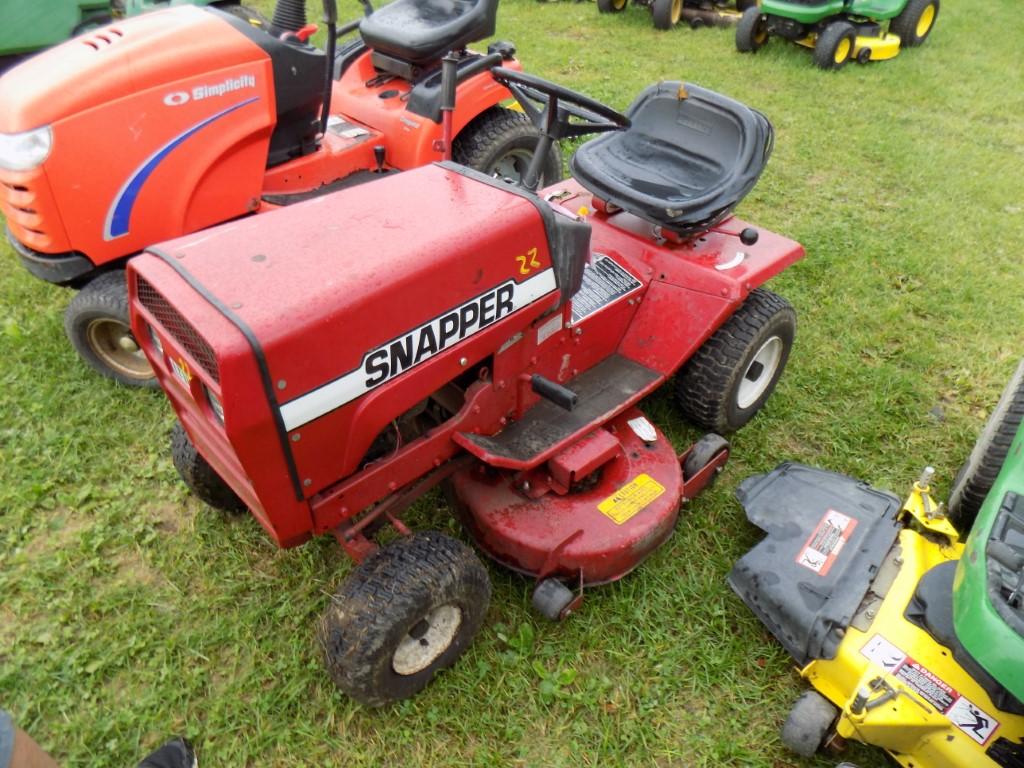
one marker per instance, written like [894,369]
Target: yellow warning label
[631,498]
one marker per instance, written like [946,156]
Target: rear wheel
[979,472]
[202,479]
[808,724]
[408,611]
[501,142]
[96,323]
[751,31]
[834,46]
[611,6]
[735,371]
[666,13]
[915,22]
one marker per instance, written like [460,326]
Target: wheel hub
[426,640]
[759,372]
[114,344]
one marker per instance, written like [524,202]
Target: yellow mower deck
[881,48]
[896,687]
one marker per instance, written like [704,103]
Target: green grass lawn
[129,612]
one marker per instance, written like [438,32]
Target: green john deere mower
[911,640]
[30,25]
[839,31]
[697,13]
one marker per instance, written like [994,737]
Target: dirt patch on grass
[62,527]
[170,518]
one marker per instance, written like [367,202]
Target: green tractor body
[987,610]
[839,31]
[29,25]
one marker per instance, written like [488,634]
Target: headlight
[215,403]
[25,151]
[159,345]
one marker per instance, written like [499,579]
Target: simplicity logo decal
[200,92]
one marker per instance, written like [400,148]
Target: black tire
[834,47]
[500,142]
[751,31]
[611,6]
[743,5]
[96,322]
[915,22]
[979,472]
[202,480]
[666,13]
[809,723]
[704,450]
[735,371]
[368,632]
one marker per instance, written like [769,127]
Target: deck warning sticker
[604,281]
[959,710]
[827,541]
[631,498]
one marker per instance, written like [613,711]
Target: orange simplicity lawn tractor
[333,361]
[173,121]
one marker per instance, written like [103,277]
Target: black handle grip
[330,12]
[561,396]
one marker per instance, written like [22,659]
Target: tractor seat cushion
[422,31]
[688,158]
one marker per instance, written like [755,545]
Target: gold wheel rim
[618,5]
[677,10]
[925,22]
[843,50]
[114,345]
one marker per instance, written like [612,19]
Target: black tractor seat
[688,158]
[420,32]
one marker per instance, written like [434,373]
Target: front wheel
[978,474]
[751,31]
[809,723]
[501,142]
[915,22]
[835,44]
[96,323]
[666,13]
[407,612]
[735,371]
[202,479]
[611,6]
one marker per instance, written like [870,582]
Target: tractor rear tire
[808,723]
[202,479]
[97,325]
[979,472]
[666,13]
[751,31]
[834,47]
[500,142]
[611,6]
[915,22]
[735,371]
[407,612]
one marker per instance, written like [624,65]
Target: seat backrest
[420,32]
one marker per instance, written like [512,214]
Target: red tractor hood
[319,287]
[117,61]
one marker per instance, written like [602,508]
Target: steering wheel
[560,104]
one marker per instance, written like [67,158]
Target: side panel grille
[178,327]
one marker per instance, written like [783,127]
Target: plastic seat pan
[422,31]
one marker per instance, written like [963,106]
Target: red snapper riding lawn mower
[174,121]
[331,362]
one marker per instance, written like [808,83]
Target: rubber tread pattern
[388,594]
[202,480]
[493,133]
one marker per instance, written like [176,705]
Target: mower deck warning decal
[959,710]
[827,541]
[631,498]
[604,281]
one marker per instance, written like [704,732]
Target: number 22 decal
[528,261]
